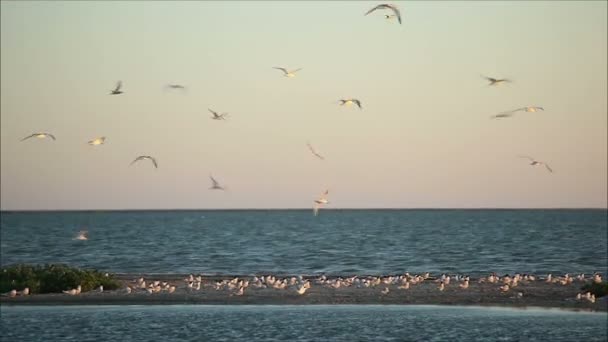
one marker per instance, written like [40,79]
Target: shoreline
[538,294]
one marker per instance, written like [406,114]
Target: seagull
[82,235]
[387,6]
[319,202]
[495,81]
[116,90]
[349,102]
[216,185]
[534,162]
[288,73]
[145,157]
[97,141]
[40,136]
[312,150]
[217,116]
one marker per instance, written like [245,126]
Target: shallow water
[297,323]
[295,242]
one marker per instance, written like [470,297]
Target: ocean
[337,242]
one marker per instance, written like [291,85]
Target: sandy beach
[527,294]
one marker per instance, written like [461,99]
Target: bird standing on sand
[320,202]
[312,150]
[387,6]
[117,90]
[97,141]
[495,81]
[217,116]
[146,157]
[288,73]
[40,136]
[349,102]
[534,162]
[215,185]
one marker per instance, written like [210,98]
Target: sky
[424,138]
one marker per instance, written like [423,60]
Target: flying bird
[288,73]
[387,6]
[320,202]
[145,157]
[215,185]
[217,116]
[349,102]
[495,81]
[97,141]
[82,235]
[40,136]
[528,109]
[176,86]
[312,150]
[535,162]
[117,90]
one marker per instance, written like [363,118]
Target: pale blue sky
[424,138]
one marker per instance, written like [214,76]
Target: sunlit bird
[349,102]
[312,150]
[387,6]
[215,185]
[145,157]
[40,136]
[217,116]
[97,141]
[117,90]
[82,235]
[320,202]
[288,73]
[495,81]
[534,162]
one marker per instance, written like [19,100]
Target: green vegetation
[598,289]
[52,279]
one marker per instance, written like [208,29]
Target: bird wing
[312,150]
[215,183]
[358,103]
[118,86]
[282,69]
[527,157]
[30,136]
[294,71]
[548,168]
[154,162]
[489,78]
[50,135]
[375,8]
[213,112]
[396,11]
[137,159]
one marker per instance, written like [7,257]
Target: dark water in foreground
[295,242]
[297,323]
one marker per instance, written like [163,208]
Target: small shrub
[53,279]
[598,289]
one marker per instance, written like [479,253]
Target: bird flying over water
[312,150]
[97,141]
[320,202]
[349,102]
[495,81]
[40,136]
[215,184]
[535,162]
[387,6]
[117,90]
[288,73]
[82,235]
[146,157]
[217,116]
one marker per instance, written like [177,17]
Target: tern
[534,162]
[215,184]
[145,157]
[387,6]
[288,73]
[40,136]
[349,102]
[82,235]
[217,116]
[319,202]
[312,150]
[117,90]
[495,81]
[97,141]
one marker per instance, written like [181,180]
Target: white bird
[301,290]
[534,162]
[215,185]
[387,6]
[128,289]
[40,136]
[82,235]
[97,141]
[71,292]
[146,157]
[171,289]
[100,288]
[385,291]
[13,293]
[349,102]
[319,202]
[312,150]
[495,81]
[217,116]
[117,90]
[504,288]
[288,73]
[26,291]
